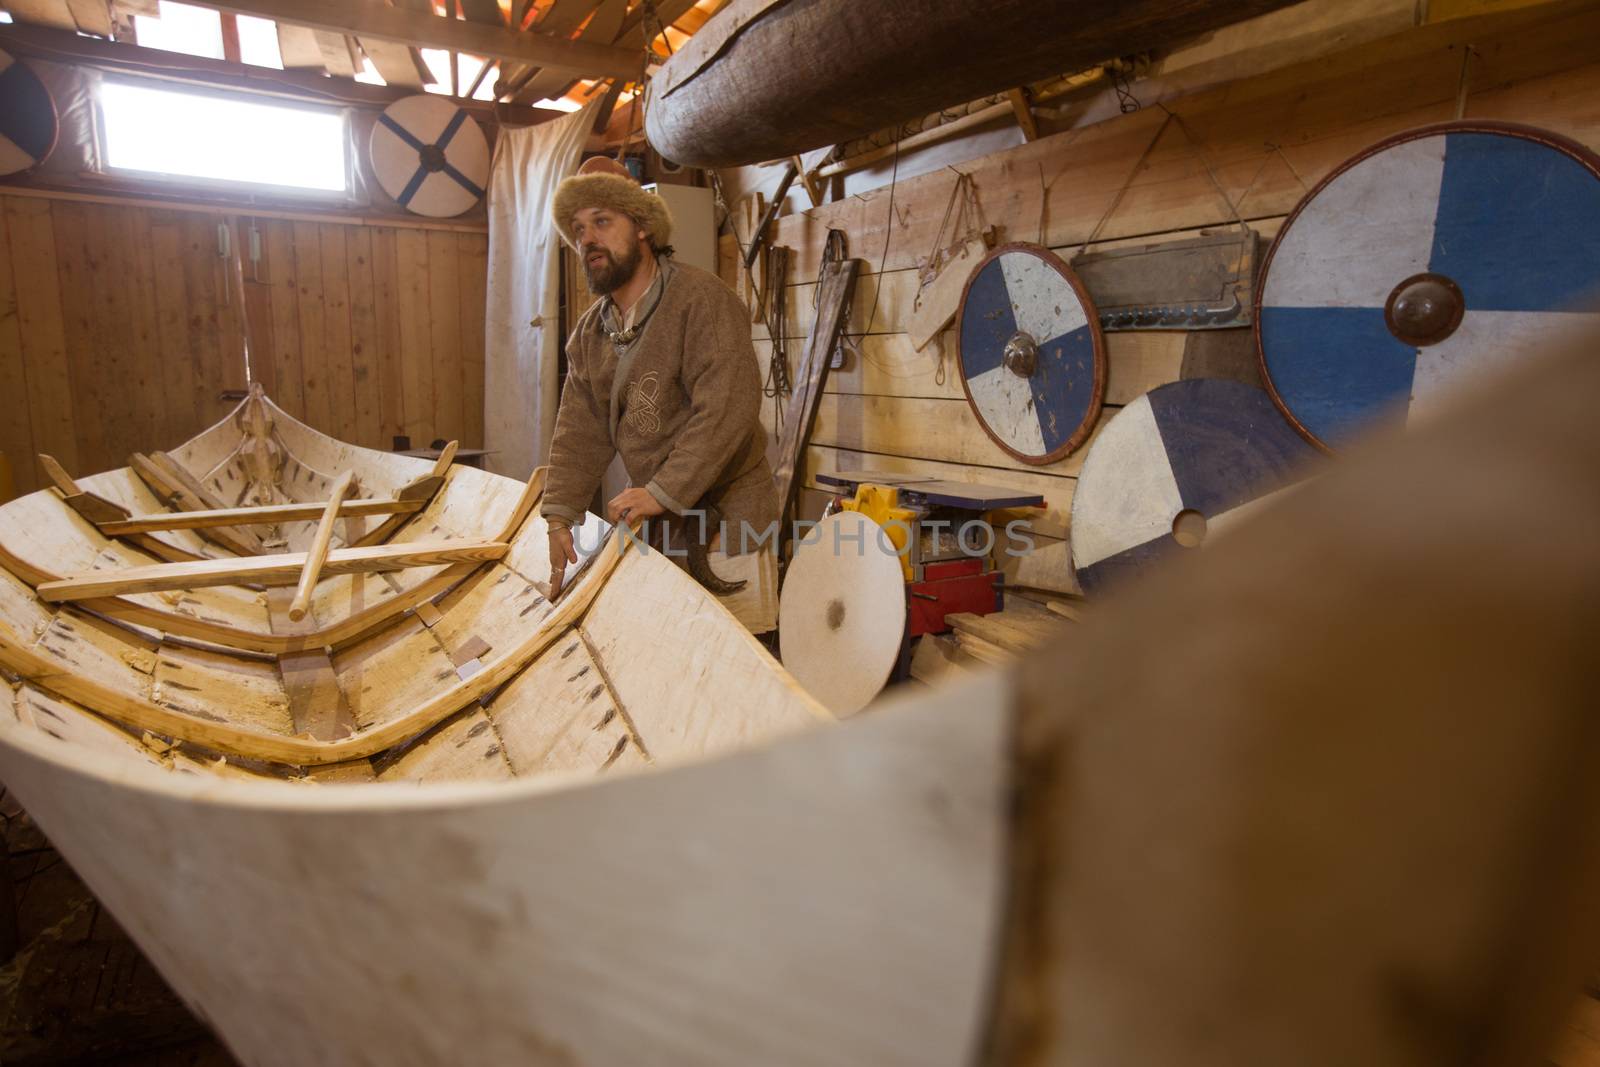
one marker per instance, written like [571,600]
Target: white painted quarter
[1006,402]
[1364,233]
[1045,304]
[1126,493]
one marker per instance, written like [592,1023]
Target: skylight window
[180,134]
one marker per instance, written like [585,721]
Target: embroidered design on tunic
[643,414]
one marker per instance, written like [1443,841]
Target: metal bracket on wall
[1196,283]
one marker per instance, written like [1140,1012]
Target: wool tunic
[681,405]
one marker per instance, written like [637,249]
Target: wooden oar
[317,554]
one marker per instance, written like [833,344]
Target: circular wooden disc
[1024,299]
[842,613]
[1431,258]
[1178,459]
[430,156]
[28,123]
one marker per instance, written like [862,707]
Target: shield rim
[393,195]
[1550,139]
[1096,396]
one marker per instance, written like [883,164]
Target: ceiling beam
[374,19]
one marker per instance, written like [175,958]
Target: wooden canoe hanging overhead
[766,79]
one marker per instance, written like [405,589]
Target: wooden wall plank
[444,315]
[133,261]
[278,268]
[473,257]
[80,322]
[30,230]
[201,267]
[313,337]
[390,381]
[416,332]
[16,430]
[339,374]
[258,307]
[365,339]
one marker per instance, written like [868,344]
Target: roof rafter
[373,19]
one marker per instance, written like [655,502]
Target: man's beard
[614,273]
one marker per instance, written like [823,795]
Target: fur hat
[600,182]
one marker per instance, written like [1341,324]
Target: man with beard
[660,370]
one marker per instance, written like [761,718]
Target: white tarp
[523,312]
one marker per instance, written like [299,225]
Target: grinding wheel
[1428,260]
[842,614]
[28,123]
[1178,458]
[430,156]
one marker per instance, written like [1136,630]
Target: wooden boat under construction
[228,779]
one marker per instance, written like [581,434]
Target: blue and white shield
[1187,457]
[1032,359]
[430,156]
[1427,261]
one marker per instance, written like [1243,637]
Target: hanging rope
[778,385]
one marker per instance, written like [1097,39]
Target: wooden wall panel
[1146,176]
[122,326]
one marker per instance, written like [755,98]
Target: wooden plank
[298,47]
[206,337]
[559,715]
[91,16]
[16,432]
[416,332]
[389,377]
[172,326]
[182,492]
[340,372]
[278,569]
[336,53]
[317,554]
[811,375]
[270,513]
[602,27]
[91,418]
[288,365]
[132,259]
[40,324]
[444,320]
[473,254]
[396,63]
[313,328]
[373,19]
[944,430]
[365,341]
[52,13]
[318,707]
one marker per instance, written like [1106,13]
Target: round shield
[430,156]
[27,117]
[842,614]
[1173,467]
[1430,259]
[1032,359]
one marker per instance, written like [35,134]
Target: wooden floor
[78,991]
